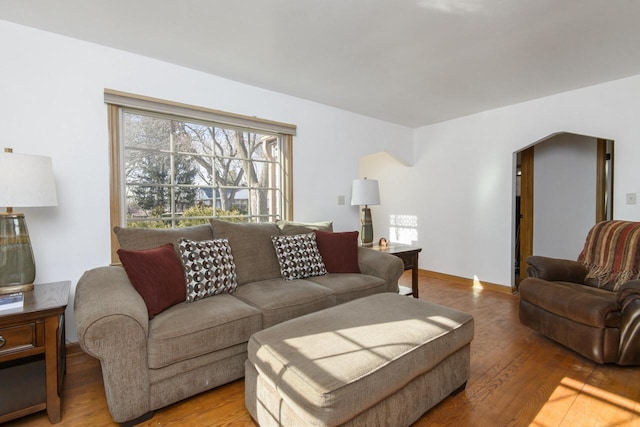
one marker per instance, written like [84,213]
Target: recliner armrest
[629,299]
[628,291]
[556,270]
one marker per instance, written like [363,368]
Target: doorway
[563,185]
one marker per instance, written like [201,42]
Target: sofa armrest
[556,270]
[113,326]
[385,266]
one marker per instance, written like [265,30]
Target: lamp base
[17,266]
[12,289]
[366,235]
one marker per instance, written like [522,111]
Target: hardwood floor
[518,378]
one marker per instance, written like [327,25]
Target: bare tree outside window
[181,172]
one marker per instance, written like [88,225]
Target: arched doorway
[563,185]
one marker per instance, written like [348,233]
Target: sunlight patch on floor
[477,285]
[571,400]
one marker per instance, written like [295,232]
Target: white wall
[51,103]
[564,200]
[461,187]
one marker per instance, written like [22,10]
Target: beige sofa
[192,347]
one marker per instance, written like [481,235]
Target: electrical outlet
[341,200]
[631,198]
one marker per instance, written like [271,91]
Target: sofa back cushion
[295,227]
[251,248]
[136,239]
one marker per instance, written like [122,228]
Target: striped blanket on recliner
[612,254]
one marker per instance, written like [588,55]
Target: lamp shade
[365,192]
[26,181]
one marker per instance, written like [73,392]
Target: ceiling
[410,62]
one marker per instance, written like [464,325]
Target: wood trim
[287,169]
[612,164]
[73,349]
[466,281]
[601,179]
[116,185]
[526,208]
[147,103]
[115,182]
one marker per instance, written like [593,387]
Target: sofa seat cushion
[169,372]
[281,300]
[192,329]
[349,286]
[584,304]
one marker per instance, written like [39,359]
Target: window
[174,165]
[179,172]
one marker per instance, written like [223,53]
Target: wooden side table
[409,256]
[32,353]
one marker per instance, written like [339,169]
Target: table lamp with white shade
[25,181]
[365,192]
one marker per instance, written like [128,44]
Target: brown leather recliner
[591,305]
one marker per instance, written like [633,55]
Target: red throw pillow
[339,251]
[157,275]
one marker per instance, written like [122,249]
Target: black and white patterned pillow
[298,256]
[209,268]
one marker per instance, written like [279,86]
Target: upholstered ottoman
[382,360]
